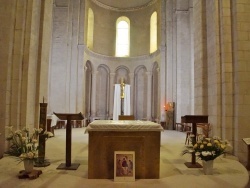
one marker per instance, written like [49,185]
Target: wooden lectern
[194,119]
[69,117]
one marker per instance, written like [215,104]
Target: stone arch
[122,72]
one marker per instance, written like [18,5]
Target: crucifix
[122,96]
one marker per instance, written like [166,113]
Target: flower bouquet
[24,143]
[208,148]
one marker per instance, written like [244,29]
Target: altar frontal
[108,136]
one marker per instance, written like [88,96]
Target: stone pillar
[111,94]
[84,91]
[131,78]
[158,97]
[44,51]
[183,64]
[200,57]
[149,96]
[93,95]
[163,47]
[6,38]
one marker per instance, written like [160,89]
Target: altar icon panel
[124,166]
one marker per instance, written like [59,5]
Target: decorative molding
[62,5]
[112,58]
[123,9]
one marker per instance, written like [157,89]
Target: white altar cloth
[123,125]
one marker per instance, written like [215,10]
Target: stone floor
[173,173]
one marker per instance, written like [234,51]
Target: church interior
[177,57]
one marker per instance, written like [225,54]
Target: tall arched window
[122,37]
[153,32]
[90,32]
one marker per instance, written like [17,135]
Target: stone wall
[241,78]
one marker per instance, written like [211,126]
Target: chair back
[126,117]
[205,128]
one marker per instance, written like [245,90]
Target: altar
[108,136]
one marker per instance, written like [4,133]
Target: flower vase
[28,165]
[208,167]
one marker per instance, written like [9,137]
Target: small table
[247,142]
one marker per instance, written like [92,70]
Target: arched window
[153,32]
[90,32]
[122,37]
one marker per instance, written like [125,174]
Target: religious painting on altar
[124,166]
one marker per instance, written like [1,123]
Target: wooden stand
[247,142]
[194,119]
[31,175]
[68,165]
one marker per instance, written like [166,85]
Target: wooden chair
[60,124]
[183,127]
[126,117]
[78,123]
[202,129]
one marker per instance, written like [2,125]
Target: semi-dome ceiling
[124,4]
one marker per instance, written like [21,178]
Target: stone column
[44,50]
[131,77]
[158,97]
[149,96]
[111,94]
[93,95]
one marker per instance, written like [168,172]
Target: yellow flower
[216,141]
[201,146]
[209,144]
[222,146]
[195,146]
[208,139]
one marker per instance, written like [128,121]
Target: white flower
[40,130]
[50,134]
[23,143]
[197,153]
[206,153]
